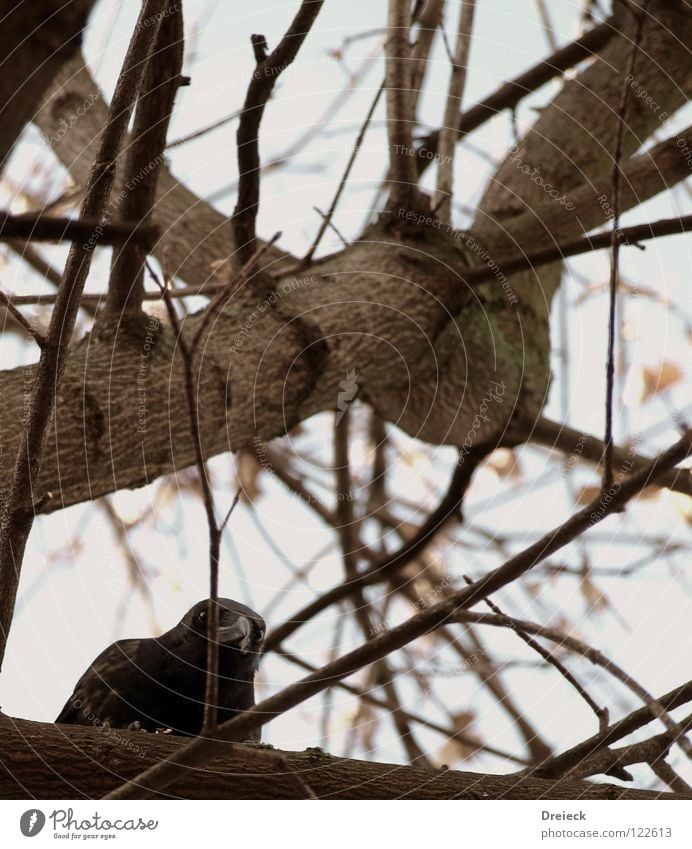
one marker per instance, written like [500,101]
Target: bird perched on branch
[159,684]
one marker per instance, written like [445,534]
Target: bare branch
[344,179]
[403,174]
[455,94]
[264,78]
[211,696]
[145,157]
[517,626]
[37,227]
[656,709]
[387,567]
[581,445]
[512,92]
[18,317]
[572,758]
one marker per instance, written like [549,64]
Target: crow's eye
[259,635]
[202,616]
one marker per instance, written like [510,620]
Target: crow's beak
[237,635]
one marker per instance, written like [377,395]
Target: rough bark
[45,761]
[427,352]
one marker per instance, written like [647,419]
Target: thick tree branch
[45,761]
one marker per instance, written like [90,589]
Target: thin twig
[38,337]
[455,94]
[211,696]
[667,774]
[344,178]
[264,78]
[348,537]
[615,239]
[601,713]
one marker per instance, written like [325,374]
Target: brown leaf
[505,463]
[455,749]
[595,599]
[657,379]
[587,494]
[247,471]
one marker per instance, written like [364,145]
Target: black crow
[159,684]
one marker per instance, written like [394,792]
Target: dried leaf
[455,749]
[587,494]
[659,378]
[247,471]
[505,463]
[595,599]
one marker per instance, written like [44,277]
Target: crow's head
[241,630]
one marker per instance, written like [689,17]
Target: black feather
[160,683]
